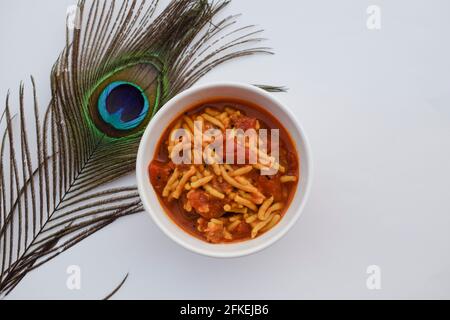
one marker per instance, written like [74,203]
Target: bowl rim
[142,178]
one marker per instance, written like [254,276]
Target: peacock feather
[122,62]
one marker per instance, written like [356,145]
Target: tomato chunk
[242,230]
[205,205]
[243,122]
[160,173]
[270,186]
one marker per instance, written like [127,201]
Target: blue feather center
[123,105]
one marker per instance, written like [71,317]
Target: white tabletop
[376,106]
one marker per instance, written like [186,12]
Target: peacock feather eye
[123,105]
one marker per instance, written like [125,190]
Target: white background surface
[376,106]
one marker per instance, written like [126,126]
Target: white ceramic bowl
[176,107]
